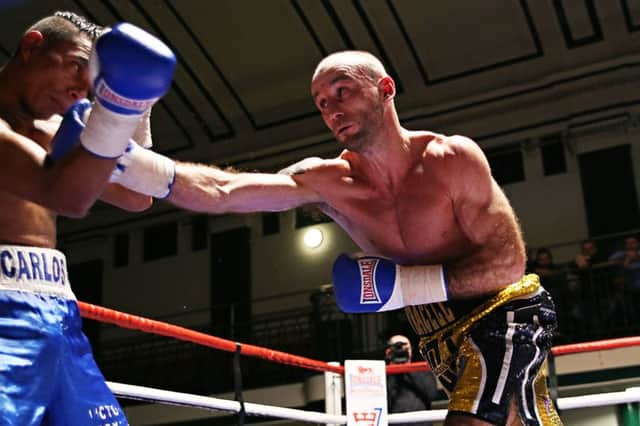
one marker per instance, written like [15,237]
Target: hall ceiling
[240,94]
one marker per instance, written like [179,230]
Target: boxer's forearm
[212,190]
[126,199]
[73,185]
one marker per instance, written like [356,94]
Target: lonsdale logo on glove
[105,93]
[368,291]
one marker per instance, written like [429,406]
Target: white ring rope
[598,400]
[184,399]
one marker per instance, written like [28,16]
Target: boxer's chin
[356,141]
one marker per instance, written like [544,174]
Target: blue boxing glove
[374,284]
[68,134]
[129,70]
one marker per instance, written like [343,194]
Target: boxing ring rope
[575,348]
[147,325]
[215,404]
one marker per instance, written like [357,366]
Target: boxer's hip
[34,270]
[450,326]
[37,305]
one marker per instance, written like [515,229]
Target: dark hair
[64,26]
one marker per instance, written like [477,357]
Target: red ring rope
[575,348]
[156,327]
[123,320]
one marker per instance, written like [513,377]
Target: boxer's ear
[387,87]
[29,43]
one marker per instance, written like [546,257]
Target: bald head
[398,350]
[356,62]
[399,338]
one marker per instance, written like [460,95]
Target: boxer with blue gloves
[129,70]
[48,375]
[446,243]
[121,101]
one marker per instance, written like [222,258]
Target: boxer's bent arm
[69,188]
[212,190]
[124,198]
[484,214]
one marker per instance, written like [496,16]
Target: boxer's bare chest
[415,223]
[24,222]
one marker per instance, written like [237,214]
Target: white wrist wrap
[419,285]
[145,171]
[142,134]
[107,134]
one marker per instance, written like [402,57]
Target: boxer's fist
[373,284]
[130,69]
[364,284]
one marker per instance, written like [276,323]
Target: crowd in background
[598,292]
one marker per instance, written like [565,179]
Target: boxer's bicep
[473,193]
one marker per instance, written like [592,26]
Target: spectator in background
[588,255]
[579,298]
[628,278]
[407,391]
[629,259]
[629,255]
[583,294]
[544,266]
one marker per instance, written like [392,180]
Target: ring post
[333,393]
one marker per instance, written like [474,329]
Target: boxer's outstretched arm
[70,187]
[212,190]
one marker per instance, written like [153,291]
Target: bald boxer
[441,238]
[49,165]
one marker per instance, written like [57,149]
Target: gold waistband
[528,285]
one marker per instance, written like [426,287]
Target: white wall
[282,264]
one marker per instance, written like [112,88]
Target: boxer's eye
[343,92]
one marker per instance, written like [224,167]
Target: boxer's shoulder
[43,130]
[40,131]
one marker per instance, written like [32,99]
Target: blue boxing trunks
[47,372]
[488,352]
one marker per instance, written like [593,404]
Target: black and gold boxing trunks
[487,352]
